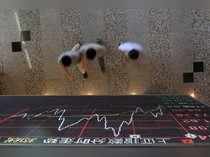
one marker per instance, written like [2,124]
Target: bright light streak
[28,59]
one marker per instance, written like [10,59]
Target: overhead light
[133,93]
[89,93]
[193,95]
[48,93]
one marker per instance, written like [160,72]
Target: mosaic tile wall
[173,39]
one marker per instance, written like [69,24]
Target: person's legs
[67,73]
[83,71]
[82,67]
[85,75]
[101,62]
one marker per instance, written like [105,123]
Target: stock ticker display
[135,120]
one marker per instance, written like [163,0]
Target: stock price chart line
[175,120]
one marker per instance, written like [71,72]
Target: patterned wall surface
[173,40]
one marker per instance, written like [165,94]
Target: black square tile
[26,35]
[198,67]
[16,46]
[188,77]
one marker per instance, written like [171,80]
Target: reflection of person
[94,51]
[72,58]
[131,49]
